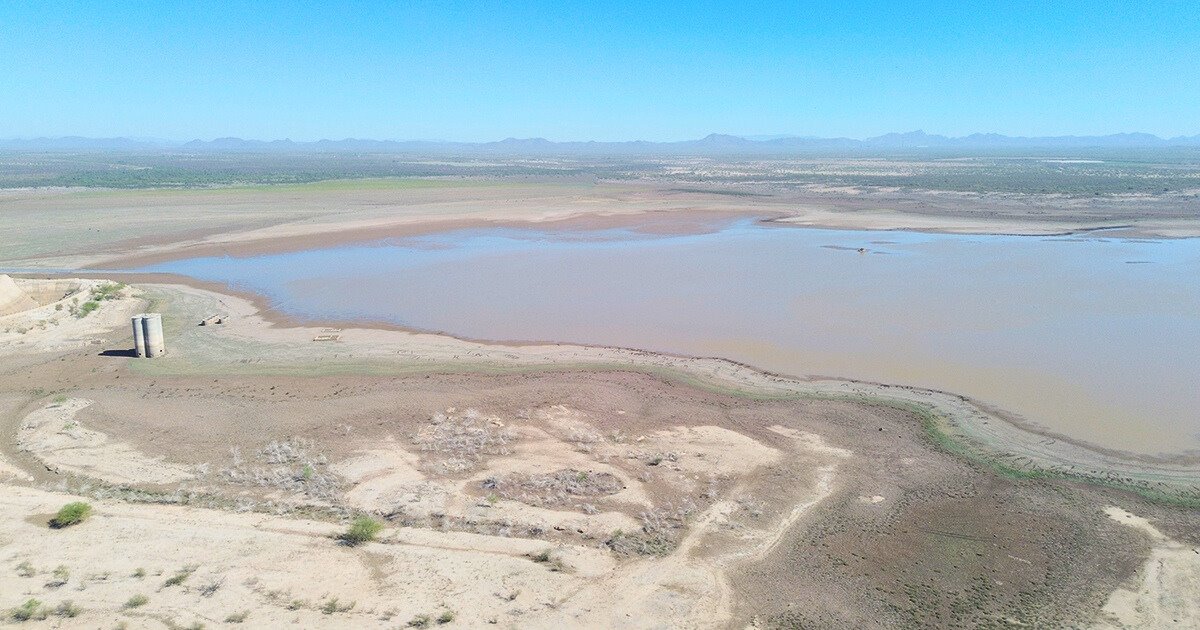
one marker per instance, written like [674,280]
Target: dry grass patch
[293,465]
[458,441]
[561,488]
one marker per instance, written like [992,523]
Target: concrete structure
[139,336]
[153,332]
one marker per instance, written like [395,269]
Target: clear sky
[594,70]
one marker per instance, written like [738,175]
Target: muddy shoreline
[976,427]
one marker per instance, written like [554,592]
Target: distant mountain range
[710,145]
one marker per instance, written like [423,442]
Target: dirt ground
[541,492]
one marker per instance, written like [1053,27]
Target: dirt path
[1164,594]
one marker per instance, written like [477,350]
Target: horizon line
[748,137]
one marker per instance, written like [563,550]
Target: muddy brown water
[1092,337]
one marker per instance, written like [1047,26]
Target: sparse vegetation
[457,442]
[137,601]
[364,529]
[85,309]
[25,569]
[237,617]
[31,610]
[446,617]
[333,605]
[288,465]
[209,589]
[180,576]
[420,621]
[548,558]
[67,609]
[658,535]
[557,489]
[107,291]
[59,577]
[71,514]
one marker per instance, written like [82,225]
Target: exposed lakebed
[1093,337]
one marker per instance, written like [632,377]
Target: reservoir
[1092,337]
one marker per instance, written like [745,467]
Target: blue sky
[596,70]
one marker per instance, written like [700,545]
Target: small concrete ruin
[148,336]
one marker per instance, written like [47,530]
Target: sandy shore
[986,432]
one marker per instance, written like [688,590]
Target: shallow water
[1096,338]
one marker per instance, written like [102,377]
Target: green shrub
[334,606]
[420,621]
[71,514]
[137,601]
[86,308]
[237,617]
[364,529]
[446,617]
[31,609]
[180,576]
[107,291]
